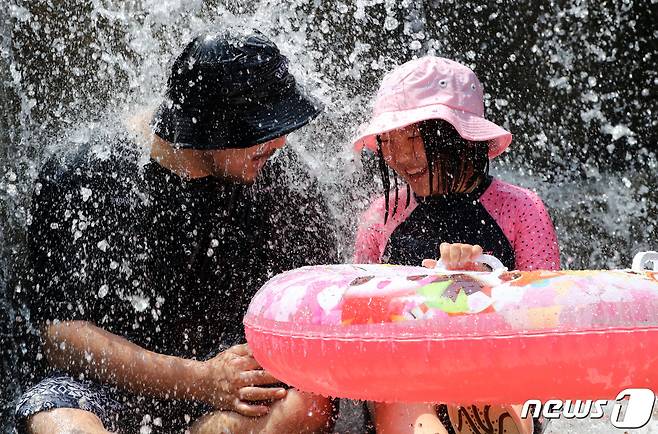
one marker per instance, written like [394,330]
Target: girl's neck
[472,193]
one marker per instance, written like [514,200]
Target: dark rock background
[574,80]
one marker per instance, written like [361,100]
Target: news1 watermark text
[636,412]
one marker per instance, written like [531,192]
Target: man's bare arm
[229,381]
[79,347]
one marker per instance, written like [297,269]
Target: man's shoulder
[103,168]
[95,155]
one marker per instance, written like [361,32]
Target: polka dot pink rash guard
[507,221]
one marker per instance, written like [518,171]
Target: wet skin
[242,165]
[404,152]
[236,165]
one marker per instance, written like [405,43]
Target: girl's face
[404,152]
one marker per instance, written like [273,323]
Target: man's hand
[458,257]
[232,379]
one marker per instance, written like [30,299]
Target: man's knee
[307,413]
[65,421]
[298,412]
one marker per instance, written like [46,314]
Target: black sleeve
[85,265]
[301,227]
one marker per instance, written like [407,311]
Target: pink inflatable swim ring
[412,334]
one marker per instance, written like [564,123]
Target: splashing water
[574,81]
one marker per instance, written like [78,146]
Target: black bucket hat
[231,91]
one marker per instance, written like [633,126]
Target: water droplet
[86,193]
[390,23]
[102,245]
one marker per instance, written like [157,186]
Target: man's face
[242,165]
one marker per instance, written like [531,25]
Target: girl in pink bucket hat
[433,88]
[428,126]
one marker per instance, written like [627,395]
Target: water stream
[574,80]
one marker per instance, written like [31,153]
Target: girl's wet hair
[447,150]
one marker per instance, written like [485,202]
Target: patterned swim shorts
[118,411]
[61,391]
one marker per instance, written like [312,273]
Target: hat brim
[469,126]
[251,124]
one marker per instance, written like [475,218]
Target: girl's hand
[458,257]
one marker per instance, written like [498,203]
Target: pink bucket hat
[432,88]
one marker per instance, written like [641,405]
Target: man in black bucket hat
[231,95]
[142,270]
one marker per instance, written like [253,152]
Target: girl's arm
[373,234]
[366,248]
[535,245]
[370,236]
